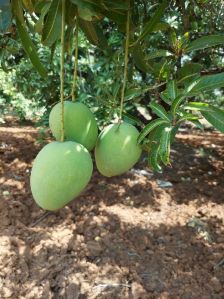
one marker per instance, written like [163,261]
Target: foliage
[175,56]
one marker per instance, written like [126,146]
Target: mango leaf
[174,133]
[212,114]
[28,4]
[115,5]
[94,34]
[140,59]
[5,15]
[188,117]
[132,93]
[153,157]
[158,54]
[159,110]
[30,48]
[40,22]
[189,72]
[161,26]
[198,124]
[198,106]
[164,150]
[165,98]
[205,83]
[17,11]
[205,42]
[149,26]
[176,104]
[215,118]
[149,127]
[52,26]
[172,91]
[132,119]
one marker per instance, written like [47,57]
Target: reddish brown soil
[125,237]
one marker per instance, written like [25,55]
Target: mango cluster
[62,170]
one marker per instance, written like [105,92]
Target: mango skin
[80,124]
[60,172]
[117,150]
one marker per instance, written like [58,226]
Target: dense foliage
[175,70]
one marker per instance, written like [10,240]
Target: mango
[116,149]
[80,124]
[60,173]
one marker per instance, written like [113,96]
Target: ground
[140,235]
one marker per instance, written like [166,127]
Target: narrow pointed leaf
[140,59]
[176,104]
[198,124]
[30,49]
[198,106]
[17,11]
[132,119]
[206,83]
[215,117]
[159,110]
[158,54]
[164,150]
[149,127]
[149,27]
[39,24]
[153,157]
[172,90]
[205,42]
[94,34]
[52,26]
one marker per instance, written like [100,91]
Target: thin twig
[219,264]
[74,85]
[62,71]
[125,63]
[45,215]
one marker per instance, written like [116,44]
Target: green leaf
[153,157]
[212,114]
[18,11]
[205,42]
[188,117]
[52,26]
[198,106]
[149,127]
[206,83]
[28,4]
[132,93]
[159,110]
[198,124]
[176,104]
[5,15]
[132,119]
[189,72]
[30,49]
[149,26]
[39,23]
[164,150]
[94,34]
[215,118]
[158,54]
[165,98]
[172,91]
[140,59]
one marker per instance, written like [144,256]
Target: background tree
[175,70]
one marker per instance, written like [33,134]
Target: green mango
[116,149]
[80,123]
[60,172]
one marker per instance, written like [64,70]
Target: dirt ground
[140,235]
